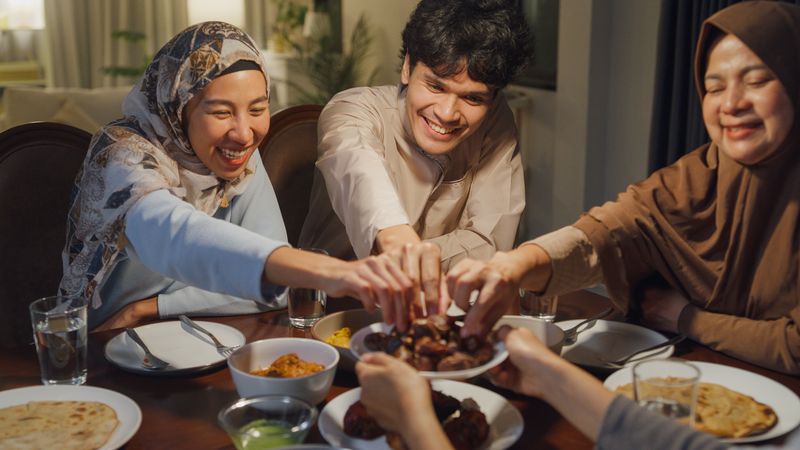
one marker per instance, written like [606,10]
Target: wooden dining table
[180,412]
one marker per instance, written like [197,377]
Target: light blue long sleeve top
[197,264]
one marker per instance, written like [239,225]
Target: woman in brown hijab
[720,225]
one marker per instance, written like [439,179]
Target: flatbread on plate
[68,425]
[724,412]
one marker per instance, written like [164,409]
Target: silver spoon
[571,334]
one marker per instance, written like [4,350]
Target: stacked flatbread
[726,413]
[68,425]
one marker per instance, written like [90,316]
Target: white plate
[608,340]
[783,401]
[358,348]
[128,412]
[184,348]
[505,421]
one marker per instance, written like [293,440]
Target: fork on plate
[224,350]
[150,361]
[571,334]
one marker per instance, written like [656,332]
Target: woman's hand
[528,360]
[661,308]
[132,315]
[399,399]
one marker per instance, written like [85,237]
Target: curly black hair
[489,37]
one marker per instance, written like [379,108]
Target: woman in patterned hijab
[169,201]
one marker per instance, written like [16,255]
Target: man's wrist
[395,236]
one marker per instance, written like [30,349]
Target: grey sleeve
[628,426]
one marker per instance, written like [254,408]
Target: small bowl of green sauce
[270,421]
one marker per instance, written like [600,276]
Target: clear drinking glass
[59,331]
[306,306]
[668,387]
[539,306]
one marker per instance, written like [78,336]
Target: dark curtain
[677,127]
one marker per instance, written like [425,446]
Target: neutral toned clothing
[626,426]
[573,259]
[148,150]
[725,235]
[374,176]
[197,264]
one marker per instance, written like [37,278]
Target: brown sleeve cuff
[573,260]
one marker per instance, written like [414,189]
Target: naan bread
[727,413]
[68,425]
[724,412]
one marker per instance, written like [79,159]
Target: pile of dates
[433,343]
[463,422]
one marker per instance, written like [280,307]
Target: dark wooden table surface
[180,412]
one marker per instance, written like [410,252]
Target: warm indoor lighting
[231,11]
[21,14]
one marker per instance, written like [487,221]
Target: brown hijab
[724,234]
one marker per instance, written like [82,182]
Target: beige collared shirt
[468,202]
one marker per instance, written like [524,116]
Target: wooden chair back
[38,165]
[289,152]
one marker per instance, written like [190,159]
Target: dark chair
[289,152]
[38,164]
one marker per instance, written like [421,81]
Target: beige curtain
[79,37]
[256,24]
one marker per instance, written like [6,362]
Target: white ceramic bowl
[259,354]
[547,332]
[355,319]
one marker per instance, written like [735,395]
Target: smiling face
[746,109]
[443,112]
[227,120]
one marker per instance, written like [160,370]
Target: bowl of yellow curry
[336,329]
[298,367]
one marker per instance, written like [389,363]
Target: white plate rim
[330,427]
[613,325]
[753,385]
[225,333]
[128,412]
[357,349]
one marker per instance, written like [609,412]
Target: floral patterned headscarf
[148,150]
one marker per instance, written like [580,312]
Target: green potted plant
[135,38]
[330,70]
[289,19]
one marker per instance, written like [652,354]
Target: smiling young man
[429,169]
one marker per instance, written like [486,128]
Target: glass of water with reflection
[668,387]
[306,306]
[540,306]
[59,331]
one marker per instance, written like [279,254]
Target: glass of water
[540,306]
[59,331]
[306,306]
[668,387]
